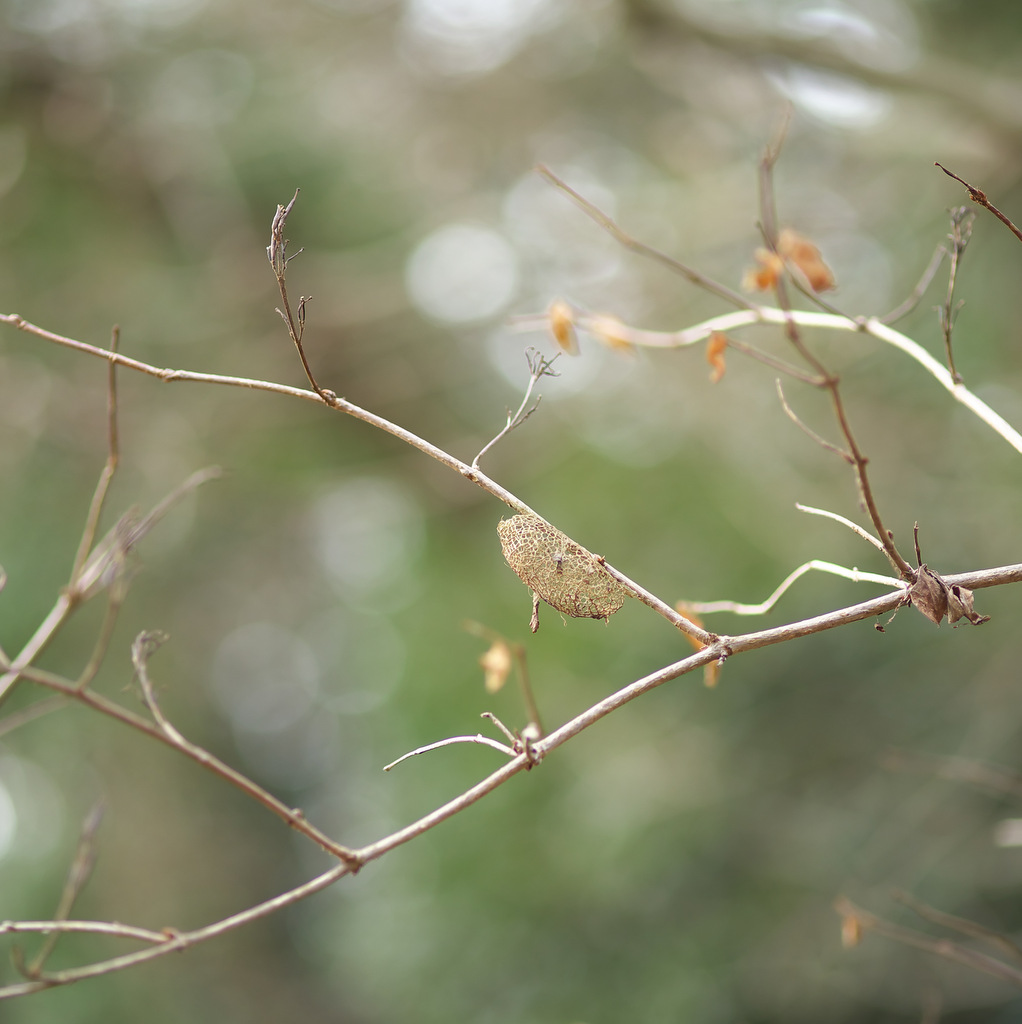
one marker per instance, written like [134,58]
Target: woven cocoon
[560,571]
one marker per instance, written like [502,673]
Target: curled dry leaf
[496,664]
[960,605]
[558,570]
[800,251]
[764,277]
[562,326]
[935,599]
[795,249]
[929,595]
[716,346]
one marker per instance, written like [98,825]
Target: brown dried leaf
[558,570]
[793,248]
[562,326]
[800,251]
[960,604]
[929,595]
[766,275]
[496,664]
[851,931]
[715,349]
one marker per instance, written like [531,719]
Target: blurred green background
[677,862]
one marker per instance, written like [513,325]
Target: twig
[109,469]
[914,298]
[807,431]
[623,238]
[539,367]
[78,875]
[854,527]
[972,929]
[114,928]
[294,817]
[9,723]
[737,608]
[940,947]
[961,231]
[276,253]
[980,197]
[478,738]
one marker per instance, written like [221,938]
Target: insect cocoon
[558,570]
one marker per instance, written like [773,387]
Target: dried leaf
[496,664]
[800,251]
[558,570]
[562,326]
[793,248]
[929,595]
[715,349]
[960,604]
[851,931]
[611,331]
[766,275]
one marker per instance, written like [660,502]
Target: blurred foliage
[679,860]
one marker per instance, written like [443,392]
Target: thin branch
[854,527]
[915,297]
[807,430]
[737,608]
[972,929]
[961,231]
[634,245]
[120,931]
[276,253]
[539,367]
[980,197]
[948,950]
[294,817]
[100,570]
[109,469]
[9,723]
[78,875]
[478,738]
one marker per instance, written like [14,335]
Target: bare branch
[634,245]
[737,608]
[109,469]
[478,738]
[865,921]
[961,231]
[78,875]
[854,527]
[914,298]
[539,367]
[840,452]
[980,197]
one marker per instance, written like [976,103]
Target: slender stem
[623,238]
